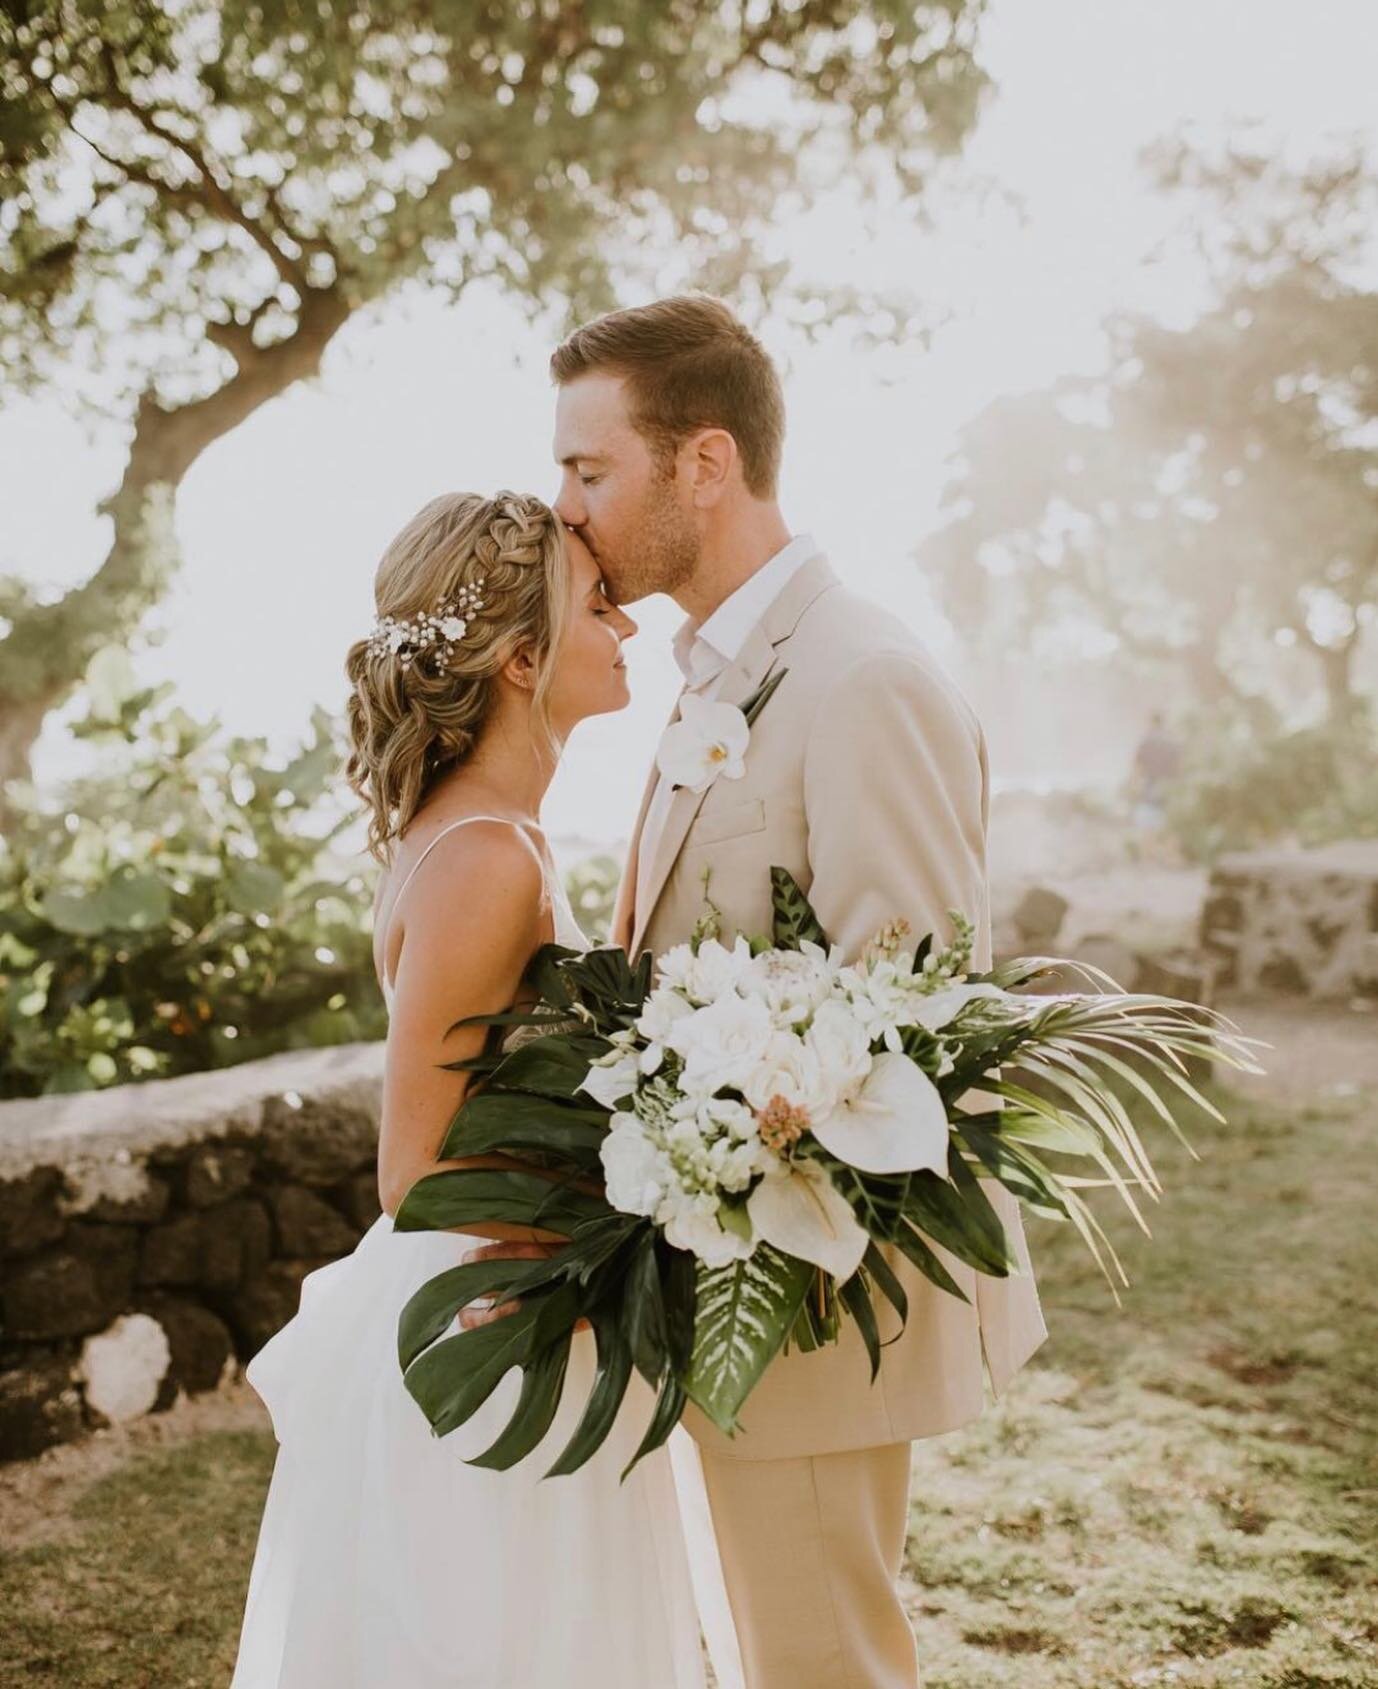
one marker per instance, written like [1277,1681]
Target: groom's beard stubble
[661,553]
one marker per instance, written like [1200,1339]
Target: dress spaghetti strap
[463,821]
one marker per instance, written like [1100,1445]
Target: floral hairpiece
[439,630]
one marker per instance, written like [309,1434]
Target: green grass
[1182,1492]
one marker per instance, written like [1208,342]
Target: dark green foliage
[180,910]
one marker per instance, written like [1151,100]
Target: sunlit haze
[282,522]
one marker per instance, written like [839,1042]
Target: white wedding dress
[385,1562]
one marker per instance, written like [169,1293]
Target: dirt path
[36,1496]
[1319,1051]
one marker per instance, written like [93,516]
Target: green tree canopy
[195,197]
[1211,499]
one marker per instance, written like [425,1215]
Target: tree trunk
[45,652]
[1337,666]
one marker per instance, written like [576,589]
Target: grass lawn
[1183,1492]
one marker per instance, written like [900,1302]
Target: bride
[383,1560]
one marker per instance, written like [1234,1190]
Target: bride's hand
[480,1313]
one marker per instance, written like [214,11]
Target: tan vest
[866,778]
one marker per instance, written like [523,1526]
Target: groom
[866,778]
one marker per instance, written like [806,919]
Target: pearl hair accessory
[439,630]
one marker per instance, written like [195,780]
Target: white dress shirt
[704,653]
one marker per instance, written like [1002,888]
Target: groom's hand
[482,1313]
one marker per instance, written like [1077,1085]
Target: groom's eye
[590,480]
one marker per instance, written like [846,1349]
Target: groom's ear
[713,464]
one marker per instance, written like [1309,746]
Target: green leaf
[669,1410]
[473,1195]
[512,1121]
[610,1382]
[857,1301]
[429,1311]
[954,1221]
[887,1282]
[908,1241]
[743,1313]
[758,700]
[553,1066]
[1021,1173]
[795,921]
[646,1311]
[543,1381]
[252,888]
[452,1380]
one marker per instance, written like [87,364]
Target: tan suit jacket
[866,778]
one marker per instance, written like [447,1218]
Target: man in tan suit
[866,778]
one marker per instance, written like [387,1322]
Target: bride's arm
[475,915]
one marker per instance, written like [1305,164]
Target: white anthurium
[708,742]
[799,1209]
[894,1122]
[940,1008]
[610,1080]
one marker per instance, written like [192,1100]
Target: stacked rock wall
[1296,920]
[152,1236]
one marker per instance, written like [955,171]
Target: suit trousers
[811,1550]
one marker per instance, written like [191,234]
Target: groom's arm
[895,798]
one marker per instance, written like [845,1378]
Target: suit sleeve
[895,798]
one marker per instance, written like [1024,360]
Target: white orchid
[797,1208]
[658,1016]
[715,970]
[708,741]
[612,1079]
[940,1008]
[894,1123]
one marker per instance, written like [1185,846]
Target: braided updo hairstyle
[411,721]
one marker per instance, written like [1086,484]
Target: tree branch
[215,196]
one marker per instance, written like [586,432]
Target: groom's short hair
[688,363]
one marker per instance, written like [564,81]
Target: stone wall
[1296,920]
[152,1236]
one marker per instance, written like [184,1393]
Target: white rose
[792,982]
[715,970]
[637,1173]
[722,1045]
[842,1047]
[789,1068]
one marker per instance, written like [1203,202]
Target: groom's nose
[569,506]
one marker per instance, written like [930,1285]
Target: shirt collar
[704,650]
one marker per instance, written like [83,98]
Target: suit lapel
[737,685]
[745,676]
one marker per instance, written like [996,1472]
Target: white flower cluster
[438,630]
[740,1061]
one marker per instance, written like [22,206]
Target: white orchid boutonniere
[709,740]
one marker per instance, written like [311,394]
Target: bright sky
[281,523]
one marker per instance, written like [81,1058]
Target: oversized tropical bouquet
[732,1139]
